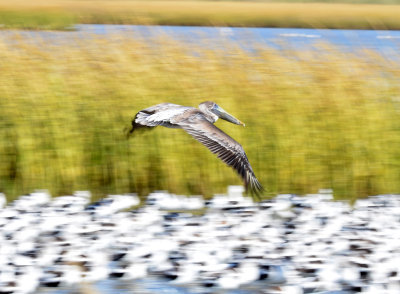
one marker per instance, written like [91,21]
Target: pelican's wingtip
[255,189]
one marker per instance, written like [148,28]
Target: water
[386,43]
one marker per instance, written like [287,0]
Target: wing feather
[158,115]
[226,149]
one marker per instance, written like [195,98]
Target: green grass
[35,20]
[313,120]
[61,15]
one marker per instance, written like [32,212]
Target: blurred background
[317,85]
[317,118]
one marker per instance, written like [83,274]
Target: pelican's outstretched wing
[158,115]
[226,148]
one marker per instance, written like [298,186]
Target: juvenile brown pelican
[199,124]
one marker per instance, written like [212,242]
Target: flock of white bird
[290,244]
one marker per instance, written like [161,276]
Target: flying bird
[199,123]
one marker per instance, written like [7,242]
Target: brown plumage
[199,123]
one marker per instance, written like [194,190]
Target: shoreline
[61,15]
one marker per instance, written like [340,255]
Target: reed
[60,14]
[36,20]
[325,119]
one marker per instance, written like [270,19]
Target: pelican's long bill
[225,115]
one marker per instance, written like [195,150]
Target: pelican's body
[199,123]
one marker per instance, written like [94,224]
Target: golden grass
[203,13]
[313,120]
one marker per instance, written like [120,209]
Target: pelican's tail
[140,121]
[128,132]
[134,128]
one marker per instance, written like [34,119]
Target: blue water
[386,43]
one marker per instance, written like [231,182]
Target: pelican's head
[214,108]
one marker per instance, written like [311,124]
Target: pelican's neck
[210,116]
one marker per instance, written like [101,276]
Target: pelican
[199,123]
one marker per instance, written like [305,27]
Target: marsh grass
[57,14]
[36,20]
[314,119]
